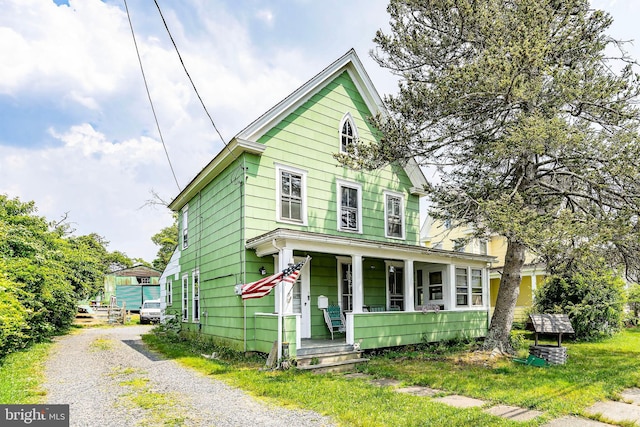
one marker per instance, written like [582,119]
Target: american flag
[262,287]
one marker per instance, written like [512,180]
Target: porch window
[185,227]
[436,287]
[348,133]
[291,205]
[462,287]
[185,298]
[349,205]
[419,288]
[346,286]
[396,289]
[196,296]
[394,215]
[476,287]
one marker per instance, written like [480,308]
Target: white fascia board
[269,244]
[349,62]
[224,158]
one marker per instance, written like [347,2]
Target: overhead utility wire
[191,80]
[155,116]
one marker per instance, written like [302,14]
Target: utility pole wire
[155,116]
[191,80]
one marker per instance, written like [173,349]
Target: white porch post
[451,270]
[285,257]
[357,283]
[409,300]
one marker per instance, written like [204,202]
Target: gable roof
[246,139]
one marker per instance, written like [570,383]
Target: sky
[77,132]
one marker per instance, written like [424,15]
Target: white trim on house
[280,168]
[340,183]
[354,129]
[403,223]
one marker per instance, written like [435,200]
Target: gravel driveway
[109,379]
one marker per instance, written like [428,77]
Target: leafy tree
[167,239]
[593,300]
[634,301]
[43,273]
[531,127]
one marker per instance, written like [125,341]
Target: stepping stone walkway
[614,411]
[617,411]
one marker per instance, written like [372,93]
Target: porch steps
[328,358]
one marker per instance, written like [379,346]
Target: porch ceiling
[271,242]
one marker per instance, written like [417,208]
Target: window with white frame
[436,289]
[394,215]
[349,206]
[419,292]
[185,227]
[169,292]
[291,203]
[462,287]
[469,287]
[348,133]
[395,287]
[185,298]
[476,286]
[195,296]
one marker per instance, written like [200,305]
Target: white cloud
[266,16]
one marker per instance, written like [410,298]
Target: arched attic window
[348,133]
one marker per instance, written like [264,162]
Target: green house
[275,195]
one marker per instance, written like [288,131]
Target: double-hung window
[291,203]
[185,227]
[185,298]
[394,215]
[195,293]
[469,287]
[349,206]
[169,291]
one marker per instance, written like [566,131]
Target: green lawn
[593,372]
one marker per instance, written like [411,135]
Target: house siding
[377,330]
[307,139]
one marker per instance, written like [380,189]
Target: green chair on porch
[334,319]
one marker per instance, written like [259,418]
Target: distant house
[132,285]
[443,235]
[275,195]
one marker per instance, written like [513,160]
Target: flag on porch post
[262,287]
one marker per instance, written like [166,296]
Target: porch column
[451,279]
[284,258]
[356,283]
[409,299]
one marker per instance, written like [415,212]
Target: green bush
[13,319]
[593,300]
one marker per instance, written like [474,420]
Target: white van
[151,311]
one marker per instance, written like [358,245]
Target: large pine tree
[529,121]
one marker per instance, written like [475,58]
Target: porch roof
[271,242]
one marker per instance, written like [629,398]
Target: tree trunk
[500,329]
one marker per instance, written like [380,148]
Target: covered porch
[391,294]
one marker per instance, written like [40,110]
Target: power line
[190,79]
[155,116]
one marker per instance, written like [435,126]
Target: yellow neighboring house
[444,235]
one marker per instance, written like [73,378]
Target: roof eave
[224,158]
